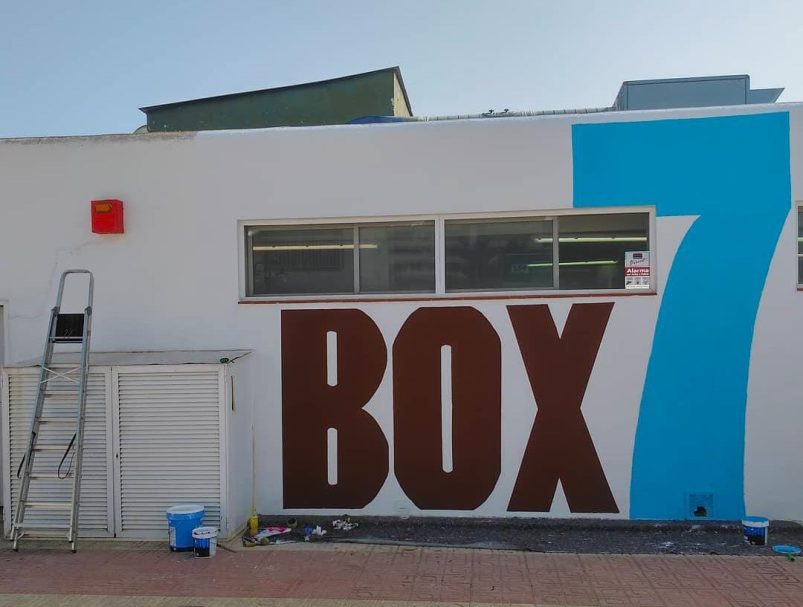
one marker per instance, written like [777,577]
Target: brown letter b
[313,404]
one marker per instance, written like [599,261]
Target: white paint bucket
[755,530]
[204,541]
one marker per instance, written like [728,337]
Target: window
[800,245]
[494,254]
[314,260]
[563,252]
[592,249]
[397,258]
[302,261]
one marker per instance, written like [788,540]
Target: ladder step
[49,505]
[60,421]
[60,393]
[50,447]
[44,534]
[50,477]
[43,526]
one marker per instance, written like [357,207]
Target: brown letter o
[476,408]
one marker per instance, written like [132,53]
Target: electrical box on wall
[107,217]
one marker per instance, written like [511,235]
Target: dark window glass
[592,248]
[301,261]
[397,258]
[511,254]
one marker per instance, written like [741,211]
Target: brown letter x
[560,446]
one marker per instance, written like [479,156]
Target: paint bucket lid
[786,549]
[204,533]
[184,511]
[756,521]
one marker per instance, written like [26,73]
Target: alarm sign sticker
[637,269]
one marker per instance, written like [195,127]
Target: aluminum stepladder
[63,329]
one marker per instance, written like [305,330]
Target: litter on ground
[294,531]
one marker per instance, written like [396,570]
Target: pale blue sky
[86,66]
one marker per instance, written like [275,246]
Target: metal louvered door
[96,513]
[168,439]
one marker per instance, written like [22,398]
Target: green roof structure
[335,101]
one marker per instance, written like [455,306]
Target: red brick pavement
[412,574]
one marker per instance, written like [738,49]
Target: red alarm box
[107,217]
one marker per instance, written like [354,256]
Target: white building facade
[568,316]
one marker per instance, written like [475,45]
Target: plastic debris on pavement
[271,531]
[790,552]
[345,524]
[265,534]
[314,533]
[295,530]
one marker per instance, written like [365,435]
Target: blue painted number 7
[733,174]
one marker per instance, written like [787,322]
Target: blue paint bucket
[181,520]
[755,530]
[205,541]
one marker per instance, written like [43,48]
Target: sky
[85,66]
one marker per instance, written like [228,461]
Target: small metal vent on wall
[700,506]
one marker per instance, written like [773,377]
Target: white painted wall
[775,393]
[239,457]
[171,281]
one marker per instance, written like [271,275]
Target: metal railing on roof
[488,114]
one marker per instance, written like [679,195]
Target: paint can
[205,541]
[181,520]
[755,530]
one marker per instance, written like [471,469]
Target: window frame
[245,261]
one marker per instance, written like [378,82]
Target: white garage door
[95,512]
[168,431]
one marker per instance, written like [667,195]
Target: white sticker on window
[637,269]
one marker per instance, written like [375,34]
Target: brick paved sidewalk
[331,574]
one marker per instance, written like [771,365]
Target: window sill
[389,298]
